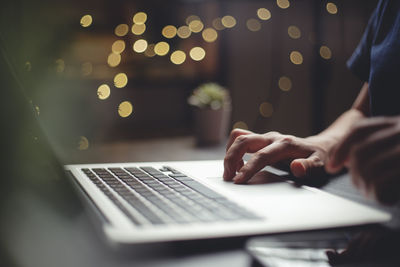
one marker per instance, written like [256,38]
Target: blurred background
[104,71]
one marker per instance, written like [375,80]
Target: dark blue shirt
[376,60]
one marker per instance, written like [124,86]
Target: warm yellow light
[191,18]
[228,21]
[113,59]
[150,51]
[325,52]
[83,143]
[296,57]
[37,110]
[285,84]
[209,35]
[138,29]
[283,3]
[184,32]
[120,80]
[121,30]
[253,25]
[118,47]
[217,24]
[294,32]
[140,18]
[86,21]
[197,53]
[169,31]
[263,13]
[60,65]
[87,68]
[28,66]
[241,125]
[178,57]
[161,48]
[125,109]
[103,92]
[331,8]
[140,46]
[266,109]
[196,26]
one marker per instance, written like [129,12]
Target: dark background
[41,33]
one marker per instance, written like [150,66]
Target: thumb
[306,166]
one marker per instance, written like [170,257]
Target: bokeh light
[103,92]
[228,21]
[196,26]
[209,35]
[169,31]
[197,53]
[217,24]
[266,109]
[118,47]
[283,3]
[140,18]
[86,21]
[191,18]
[161,48]
[28,66]
[331,8]
[253,25]
[140,46]
[120,80]
[184,32]
[294,32]
[325,52]
[113,60]
[240,125]
[296,57]
[284,83]
[125,109]
[263,14]
[150,51]
[178,57]
[121,30]
[138,29]
[83,143]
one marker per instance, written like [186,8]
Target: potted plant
[212,109]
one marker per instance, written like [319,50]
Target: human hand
[371,151]
[306,154]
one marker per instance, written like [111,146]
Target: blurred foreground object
[212,112]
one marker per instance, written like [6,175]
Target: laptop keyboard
[165,196]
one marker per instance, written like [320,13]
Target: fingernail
[238,178]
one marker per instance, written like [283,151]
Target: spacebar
[202,189]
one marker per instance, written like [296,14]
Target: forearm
[341,125]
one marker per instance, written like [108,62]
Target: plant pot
[211,126]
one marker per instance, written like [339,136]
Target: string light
[263,14]
[325,52]
[228,21]
[114,60]
[266,109]
[284,83]
[184,32]
[86,21]
[296,57]
[161,48]
[125,109]
[169,31]
[138,29]
[121,30]
[103,92]
[253,25]
[209,35]
[178,57]
[240,125]
[283,3]
[120,80]
[197,53]
[118,47]
[331,8]
[140,18]
[294,32]
[140,46]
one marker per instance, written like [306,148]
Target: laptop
[146,202]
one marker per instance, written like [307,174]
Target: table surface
[92,252]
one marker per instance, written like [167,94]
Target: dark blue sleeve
[360,62]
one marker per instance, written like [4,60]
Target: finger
[269,155]
[234,134]
[307,166]
[243,144]
[340,153]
